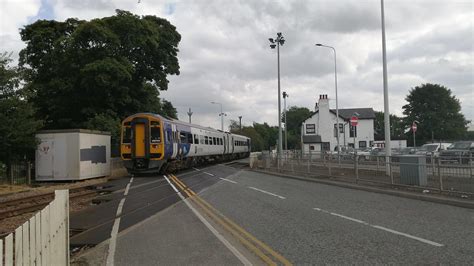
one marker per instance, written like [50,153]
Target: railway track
[19,206]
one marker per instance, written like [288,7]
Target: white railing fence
[43,239]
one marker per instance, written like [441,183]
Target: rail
[43,239]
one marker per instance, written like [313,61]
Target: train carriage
[151,143]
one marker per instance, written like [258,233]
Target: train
[152,143]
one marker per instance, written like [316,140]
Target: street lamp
[285,95]
[388,150]
[277,42]
[221,115]
[337,105]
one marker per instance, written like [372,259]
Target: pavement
[304,222]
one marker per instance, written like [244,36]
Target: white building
[318,132]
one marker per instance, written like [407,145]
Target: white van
[433,149]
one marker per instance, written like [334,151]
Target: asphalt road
[314,223]
[306,222]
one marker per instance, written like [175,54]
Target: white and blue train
[151,143]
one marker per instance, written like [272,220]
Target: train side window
[214,141]
[202,139]
[196,139]
[127,135]
[183,137]
[190,138]
[205,140]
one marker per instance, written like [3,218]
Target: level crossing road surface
[304,222]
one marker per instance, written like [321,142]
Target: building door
[326,146]
[140,140]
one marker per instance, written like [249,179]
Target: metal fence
[425,173]
[19,173]
[43,239]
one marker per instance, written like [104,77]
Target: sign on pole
[354,121]
[414,127]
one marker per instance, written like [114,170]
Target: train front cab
[142,144]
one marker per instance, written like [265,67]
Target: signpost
[354,122]
[414,128]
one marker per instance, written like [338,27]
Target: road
[304,222]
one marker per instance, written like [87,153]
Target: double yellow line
[263,251]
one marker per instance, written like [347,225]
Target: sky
[225,55]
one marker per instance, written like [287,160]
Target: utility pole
[285,95]
[190,114]
[240,123]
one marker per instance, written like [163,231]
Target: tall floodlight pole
[190,114]
[221,114]
[388,150]
[337,104]
[240,123]
[280,40]
[285,95]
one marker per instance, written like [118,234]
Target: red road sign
[354,121]
[414,127]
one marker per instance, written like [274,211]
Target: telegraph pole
[190,114]
[240,123]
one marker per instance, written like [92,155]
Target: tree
[18,125]
[437,111]
[81,72]
[397,126]
[269,135]
[257,142]
[295,117]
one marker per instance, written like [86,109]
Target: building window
[362,144]
[311,147]
[351,145]
[310,128]
[353,131]
[341,129]
[371,144]
[325,146]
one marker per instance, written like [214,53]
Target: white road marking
[266,192]
[115,228]
[113,243]
[196,169]
[224,241]
[228,180]
[382,228]
[208,173]
[349,218]
[126,189]
[409,236]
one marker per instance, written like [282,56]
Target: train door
[175,141]
[224,145]
[168,140]
[233,144]
[140,140]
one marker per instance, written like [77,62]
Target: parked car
[460,152]
[432,149]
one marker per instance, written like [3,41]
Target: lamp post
[337,105]
[285,95]
[277,42]
[221,114]
[240,123]
[388,150]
